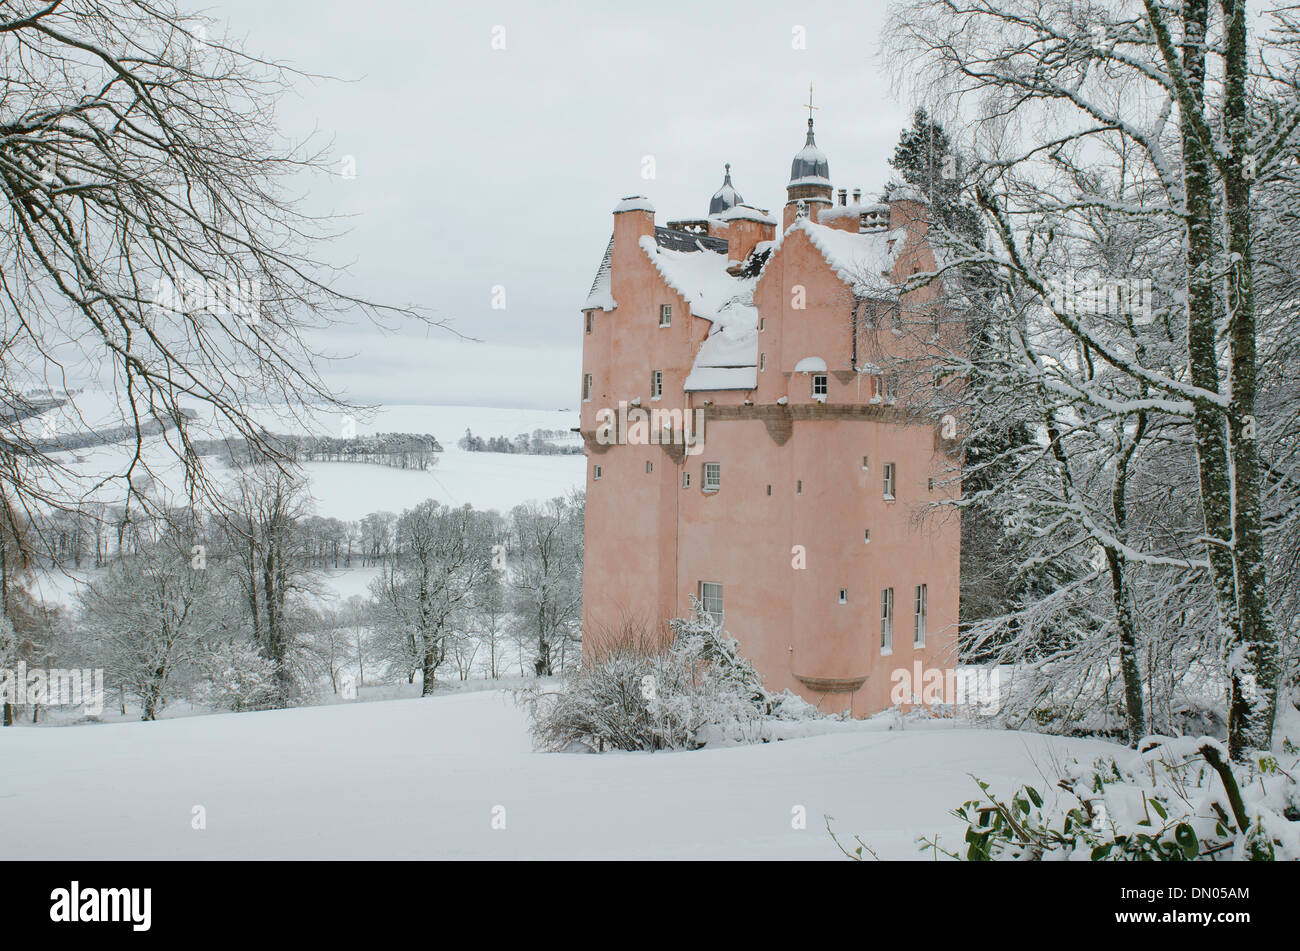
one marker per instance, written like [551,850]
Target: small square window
[665,315]
[889,480]
[595,472]
[712,476]
[820,384]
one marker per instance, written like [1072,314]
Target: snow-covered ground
[425,778]
[485,480]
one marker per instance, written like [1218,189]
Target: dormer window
[665,315]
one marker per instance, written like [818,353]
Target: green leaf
[1185,836]
[1159,809]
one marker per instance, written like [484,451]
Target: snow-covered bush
[637,693]
[1171,800]
[236,676]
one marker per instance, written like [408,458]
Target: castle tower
[810,177]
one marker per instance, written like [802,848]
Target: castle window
[649,467]
[866,536]
[711,600]
[918,626]
[887,620]
[762,362]
[686,480]
[712,476]
[586,388]
[591,320]
[889,480]
[762,324]
[820,385]
[665,315]
[864,463]
[595,472]
[798,487]
[656,384]
[769,490]
[844,595]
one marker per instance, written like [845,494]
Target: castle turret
[810,181]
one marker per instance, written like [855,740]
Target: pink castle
[747,446]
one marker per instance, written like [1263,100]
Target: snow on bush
[637,693]
[237,677]
[1170,800]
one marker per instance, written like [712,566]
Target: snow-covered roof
[726,196]
[721,378]
[634,203]
[865,262]
[600,294]
[744,212]
[728,357]
[810,365]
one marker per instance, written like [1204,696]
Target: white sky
[478,167]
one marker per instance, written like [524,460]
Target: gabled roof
[687,241]
[728,357]
[865,262]
[599,295]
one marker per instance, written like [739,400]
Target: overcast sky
[477,167]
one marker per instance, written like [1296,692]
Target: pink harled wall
[793,485]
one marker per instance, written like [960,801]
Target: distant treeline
[541,442]
[398,450]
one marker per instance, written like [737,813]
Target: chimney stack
[844,196]
[857,196]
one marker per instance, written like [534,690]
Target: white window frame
[665,315]
[595,472]
[890,480]
[920,616]
[656,384]
[886,621]
[686,480]
[711,599]
[825,379]
[713,484]
[844,595]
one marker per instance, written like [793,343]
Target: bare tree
[150,239]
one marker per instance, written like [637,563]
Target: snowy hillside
[352,490]
[421,778]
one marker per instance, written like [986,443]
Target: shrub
[1172,800]
[637,693]
[237,677]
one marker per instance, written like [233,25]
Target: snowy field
[421,779]
[486,480]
